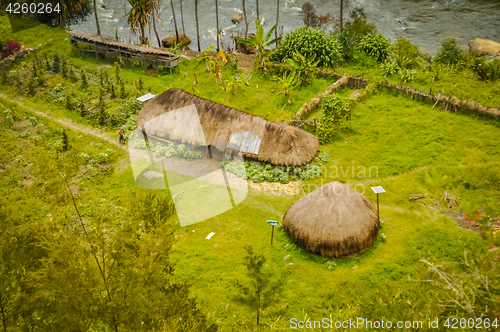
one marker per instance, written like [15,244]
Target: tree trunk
[197,25]
[175,21]
[96,20]
[143,34]
[182,20]
[217,22]
[277,19]
[154,28]
[341,15]
[246,22]
[258,9]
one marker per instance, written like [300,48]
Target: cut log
[413,198]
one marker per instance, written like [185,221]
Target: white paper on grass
[198,191]
[210,236]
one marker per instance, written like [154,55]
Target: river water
[424,22]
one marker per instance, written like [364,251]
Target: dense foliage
[311,43]
[450,53]
[11,48]
[283,174]
[169,150]
[336,110]
[376,46]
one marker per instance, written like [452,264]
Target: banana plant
[305,67]
[287,83]
[237,81]
[260,42]
[212,63]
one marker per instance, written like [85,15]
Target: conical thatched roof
[333,221]
[280,144]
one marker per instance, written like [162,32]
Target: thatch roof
[333,221]
[280,144]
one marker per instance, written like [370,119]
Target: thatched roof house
[333,221]
[251,135]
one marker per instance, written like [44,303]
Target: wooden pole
[272,235]
[378,211]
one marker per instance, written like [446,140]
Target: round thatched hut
[333,221]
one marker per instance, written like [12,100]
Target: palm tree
[246,22]
[155,6]
[96,20]
[175,21]
[182,20]
[197,26]
[277,19]
[217,22]
[138,16]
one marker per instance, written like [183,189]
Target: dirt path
[69,123]
[121,164]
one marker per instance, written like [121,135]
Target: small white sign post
[272,223]
[378,190]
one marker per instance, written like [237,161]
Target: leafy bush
[331,265]
[324,157]
[8,120]
[335,109]
[403,48]
[359,26]
[407,75]
[12,47]
[310,43]
[140,143]
[376,46]
[389,68]
[450,52]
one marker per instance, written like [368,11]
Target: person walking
[122,139]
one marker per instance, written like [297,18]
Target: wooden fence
[447,103]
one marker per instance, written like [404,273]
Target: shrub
[324,157]
[56,63]
[359,26]
[376,46]
[12,47]
[403,48]
[310,43]
[450,53]
[335,109]
[8,120]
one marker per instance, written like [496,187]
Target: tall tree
[257,1]
[182,20]
[96,19]
[277,19]
[175,21]
[197,25]
[246,21]
[217,22]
